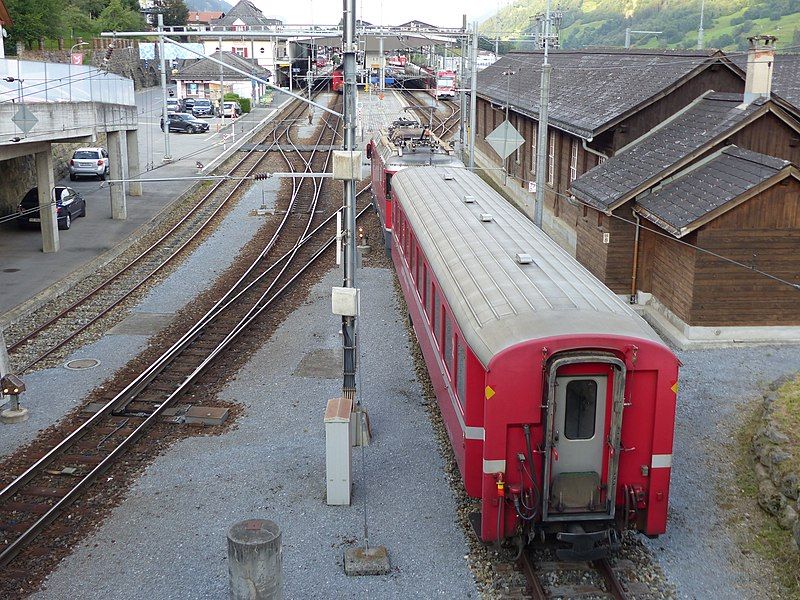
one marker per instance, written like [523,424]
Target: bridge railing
[26,81]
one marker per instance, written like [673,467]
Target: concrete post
[5,362]
[119,209]
[255,560]
[132,142]
[47,207]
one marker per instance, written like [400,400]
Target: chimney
[760,59]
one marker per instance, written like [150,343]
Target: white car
[91,162]
[173,106]
[231,109]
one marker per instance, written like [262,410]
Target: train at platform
[558,399]
[440,84]
[337,79]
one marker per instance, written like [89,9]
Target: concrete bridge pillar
[47,209]
[119,208]
[132,141]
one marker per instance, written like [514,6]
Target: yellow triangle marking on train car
[489,392]
[674,388]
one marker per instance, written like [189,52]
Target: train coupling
[585,545]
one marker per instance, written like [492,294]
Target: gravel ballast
[53,392]
[699,553]
[167,539]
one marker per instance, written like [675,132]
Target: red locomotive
[559,400]
[337,79]
[406,143]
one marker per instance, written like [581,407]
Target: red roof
[198,16]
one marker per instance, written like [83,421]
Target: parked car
[91,162]
[173,106]
[69,205]
[185,122]
[203,108]
[231,109]
[187,104]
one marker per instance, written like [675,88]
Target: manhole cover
[10,270]
[82,363]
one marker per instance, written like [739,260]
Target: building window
[240,51]
[573,161]
[551,159]
[461,372]
[533,149]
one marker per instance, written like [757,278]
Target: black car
[69,205]
[185,122]
[188,104]
[203,108]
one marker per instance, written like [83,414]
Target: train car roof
[497,301]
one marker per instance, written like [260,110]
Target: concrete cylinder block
[255,560]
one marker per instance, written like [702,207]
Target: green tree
[115,17]
[78,23]
[175,11]
[33,19]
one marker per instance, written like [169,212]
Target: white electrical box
[345,301]
[606,238]
[346,165]
[338,449]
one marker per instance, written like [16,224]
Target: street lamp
[69,72]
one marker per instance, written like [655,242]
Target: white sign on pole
[532,187]
[505,139]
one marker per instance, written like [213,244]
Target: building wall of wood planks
[763,232]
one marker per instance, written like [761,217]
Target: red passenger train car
[406,143]
[559,400]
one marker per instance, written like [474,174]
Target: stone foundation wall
[778,487]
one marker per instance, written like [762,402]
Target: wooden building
[628,130]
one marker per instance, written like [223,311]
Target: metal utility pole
[508,75]
[461,82]
[350,97]
[473,95]
[381,65]
[541,142]
[164,115]
[221,83]
[629,31]
[700,31]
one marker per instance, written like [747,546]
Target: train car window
[432,311]
[448,343]
[369,151]
[579,411]
[461,372]
[424,286]
[388,185]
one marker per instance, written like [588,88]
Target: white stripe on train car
[494,466]
[661,461]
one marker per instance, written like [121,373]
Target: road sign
[505,139]
[76,58]
[24,119]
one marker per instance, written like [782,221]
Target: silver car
[89,162]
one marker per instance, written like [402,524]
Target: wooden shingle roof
[208,70]
[647,159]
[688,201]
[590,91]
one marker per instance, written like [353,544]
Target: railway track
[50,334]
[33,515]
[543,577]
[445,119]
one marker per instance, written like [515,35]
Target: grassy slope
[603,22]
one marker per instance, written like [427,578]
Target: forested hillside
[602,22]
